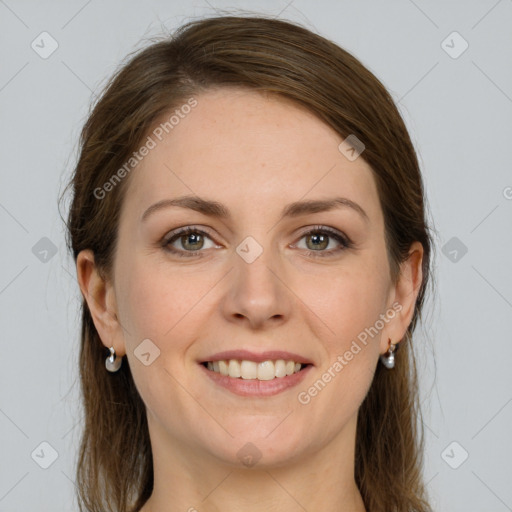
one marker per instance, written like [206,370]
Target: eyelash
[345,242]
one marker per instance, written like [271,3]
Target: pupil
[321,238]
[194,237]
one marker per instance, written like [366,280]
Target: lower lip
[254,387]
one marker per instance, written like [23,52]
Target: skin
[257,153]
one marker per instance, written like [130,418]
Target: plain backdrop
[448,67]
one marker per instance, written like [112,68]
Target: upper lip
[269,355]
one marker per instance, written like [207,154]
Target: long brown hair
[114,471]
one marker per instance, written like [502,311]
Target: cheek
[162,305]
[146,311]
[160,309]
[353,302]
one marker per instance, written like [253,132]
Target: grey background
[459,113]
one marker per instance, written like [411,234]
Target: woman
[251,243]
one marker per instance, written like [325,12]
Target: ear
[404,294]
[100,297]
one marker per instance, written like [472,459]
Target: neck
[320,480]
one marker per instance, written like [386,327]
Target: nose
[257,293]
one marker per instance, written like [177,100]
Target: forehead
[248,149]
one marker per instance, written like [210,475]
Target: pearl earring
[388,358]
[113,362]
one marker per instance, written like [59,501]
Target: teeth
[266,370]
[223,367]
[233,368]
[280,367]
[248,370]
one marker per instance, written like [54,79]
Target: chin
[258,449]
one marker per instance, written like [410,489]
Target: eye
[191,239]
[319,239]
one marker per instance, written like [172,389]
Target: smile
[251,370]
[248,378]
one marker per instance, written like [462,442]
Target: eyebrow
[216,209]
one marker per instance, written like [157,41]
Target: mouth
[249,374]
[252,370]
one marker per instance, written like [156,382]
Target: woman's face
[252,285]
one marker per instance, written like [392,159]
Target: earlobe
[100,298]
